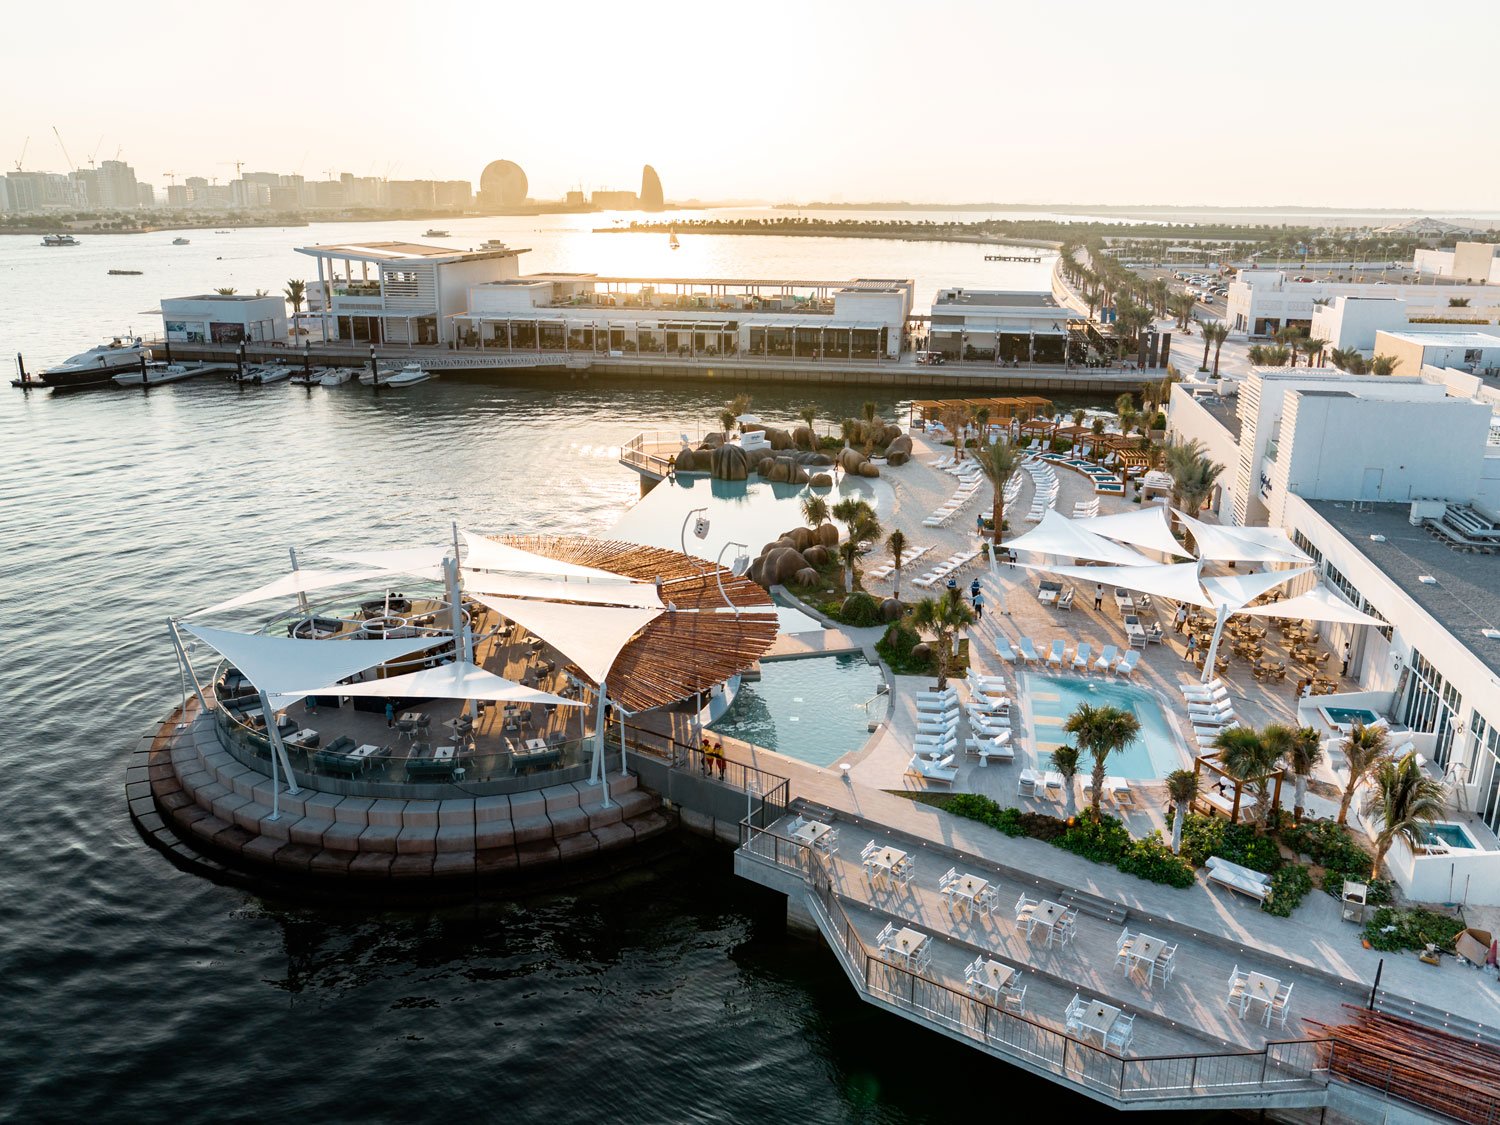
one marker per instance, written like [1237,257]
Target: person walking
[311,704]
[974,588]
[952,588]
[979,606]
[1344,669]
[1098,595]
[1181,618]
[723,763]
[390,713]
[1192,646]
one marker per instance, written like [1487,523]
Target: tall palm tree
[868,411]
[942,617]
[1079,415]
[1364,749]
[1249,756]
[895,543]
[1303,752]
[999,461]
[1215,332]
[809,415]
[1101,731]
[1312,348]
[953,420]
[1182,787]
[1403,801]
[860,527]
[1205,327]
[814,511]
[1290,338]
[1181,306]
[295,293]
[1065,762]
[226,291]
[1383,365]
[1193,476]
[727,416]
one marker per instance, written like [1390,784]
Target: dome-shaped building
[651,196]
[502,184]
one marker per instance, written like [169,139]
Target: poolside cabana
[1211,799]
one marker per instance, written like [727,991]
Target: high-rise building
[145,195]
[178,196]
[651,196]
[118,185]
[502,185]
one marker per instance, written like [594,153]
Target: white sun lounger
[1081,657]
[1119,789]
[1128,662]
[1028,651]
[1107,658]
[1004,651]
[943,771]
[1056,655]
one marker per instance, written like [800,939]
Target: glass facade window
[1337,580]
[1487,770]
[1432,705]
[1312,552]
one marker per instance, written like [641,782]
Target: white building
[1262,301]
[1010,325]
[401,292]
[1351,322]
[1477,353]
[860,319]
[1467,261]
[215,318]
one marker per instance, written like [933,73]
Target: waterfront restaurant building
[400,292]
[1002,325]
[220,318]
[691,317]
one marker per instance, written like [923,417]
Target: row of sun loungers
[887,569]
[1083,659]
[953,562]
[971,480]
[1210,709]
[1045,479]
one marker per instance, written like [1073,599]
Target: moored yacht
[157,373]
[266,373]
[336,376]
[59,240]
[98,365]
[406,376]
[433,232]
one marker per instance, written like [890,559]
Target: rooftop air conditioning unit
[1427,580]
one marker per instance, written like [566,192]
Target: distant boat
[223,232]
[336,376]
[157,373]
[673,243]
[267,373]
[407,376]
[59,240]
[98,366]
[492,244]
[433,232]
[124,273]
[180,241]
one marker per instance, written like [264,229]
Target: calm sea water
[136,992]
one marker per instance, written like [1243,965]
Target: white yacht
[268,373]
[181,241]
[407,376]
[157,373]
[335,376]
[59,240]
[433,232]
[99,365]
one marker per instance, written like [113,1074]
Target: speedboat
[179,241]
[267,373]
[492,244]
[59,240]
[99,365]
[305,377]
[409,376]
[157,373]
[433,232]
[335,376]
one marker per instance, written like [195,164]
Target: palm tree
[1079,415]
[1181,307]
[1303,753]
[1161,293]
[1204,326]
[1215,332]
[1291,339]
[943,617]
[809,414]
[953,420]
[226,291]
[1312,347]
[814,511]
[1364,749]
[1193,476]
[1065,762]
[1403,801]
[868,410]
[895,543]
[861,527]
[999,462]
[1383,365]
[1101,731]
[1182,787]
[295,293]
[1249,756]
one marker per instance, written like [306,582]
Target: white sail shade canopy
[589,635]
[280,665]
[1177,581]
[639,595]
[1235,591]
[1317,604]
[1059,536]
[1145,527]
[486,554]
[458,680]
[1233,544]
[419,562]
[303,581]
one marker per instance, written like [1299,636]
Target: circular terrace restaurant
[457,711]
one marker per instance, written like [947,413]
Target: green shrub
[895,649]
[1103,841]
[1289,885]
[860,610]
[1202,836]
[1392,930]
[1152,859]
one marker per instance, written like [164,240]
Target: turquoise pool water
[811,708]
[1155,753]
[1447,832]
[751,512]
[1345,717]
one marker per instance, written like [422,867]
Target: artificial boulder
[821,480]
[802,537]
[828,535]
[779,439]
[890,609]
[869,469]
[897,458]
[807,576]
[802,438]
[890,433]
[729,463]
[817,459]
[781,565]
[817,555]
[850,460]
[921,652]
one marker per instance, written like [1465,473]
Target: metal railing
[635,453]
[1278,1067]
[772,790]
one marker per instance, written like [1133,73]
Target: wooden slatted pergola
[697,644]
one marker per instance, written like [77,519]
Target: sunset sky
[1337,104]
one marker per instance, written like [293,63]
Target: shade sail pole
[597,771]
[278,757]
[1213,645]
[301,597]
[183,656]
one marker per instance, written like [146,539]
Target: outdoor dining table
[1046,913]
[1124,602]
[1259,989]
[968,888]
[304,739]
[364,753]
[1144,950]
[1099,1017]
[811,831]
[996,976]
[1135,632]
[906,943]
[886,860]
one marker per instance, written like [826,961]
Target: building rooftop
[1464,600]
[223,297]
[997,297]
[1449,339]
[403,252]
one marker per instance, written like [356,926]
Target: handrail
[1138,1077]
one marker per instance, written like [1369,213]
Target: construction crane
[71,166]
[24,146]
[238,164]
[172,176]
[97,145]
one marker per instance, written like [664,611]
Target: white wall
[1257,294]
[1433,263]
[1416,353]
[1188,420]
[497,300]
[1471,877]
[870,306]
[262,318]
[1351,322]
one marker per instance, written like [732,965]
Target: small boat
[180,241]
[124,273]
[407,376]
[157,373]
[673,243]
[59,240]
[305,378]
[433,232]
[335,376]
[267,373]
[223,232]
[492,244]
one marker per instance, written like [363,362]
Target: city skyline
[1194,108]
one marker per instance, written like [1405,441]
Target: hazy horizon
[1289,106]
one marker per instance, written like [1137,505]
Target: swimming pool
[1453,834]
[1344,718]
[1154,753]
[812,708]
[752,512]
